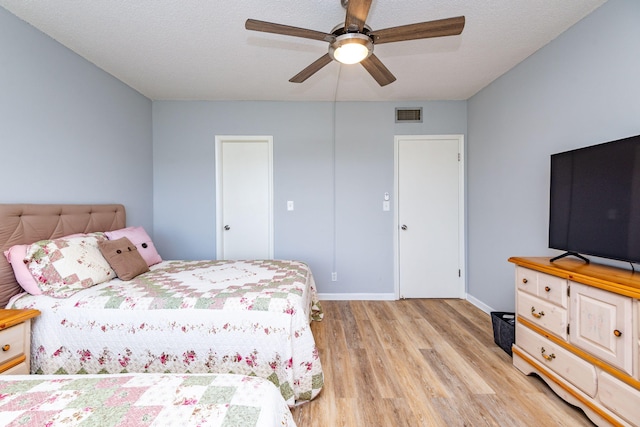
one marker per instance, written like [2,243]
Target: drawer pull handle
[547,289]
[536,315]
[617,333]
[6,347]
[525,281]
[548,357]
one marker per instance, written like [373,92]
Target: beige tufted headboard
[28,223]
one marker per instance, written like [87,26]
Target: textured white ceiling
[199,49]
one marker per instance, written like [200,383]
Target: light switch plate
[290,205]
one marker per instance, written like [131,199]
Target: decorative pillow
[139,237]
[123,257]
[15,255]
[64,266]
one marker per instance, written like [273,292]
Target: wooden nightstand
[15,340]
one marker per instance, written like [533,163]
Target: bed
[246,317]
[141,400]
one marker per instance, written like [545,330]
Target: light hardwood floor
[422,362]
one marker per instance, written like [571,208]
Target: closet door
[429,216]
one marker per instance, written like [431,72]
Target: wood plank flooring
[422,362]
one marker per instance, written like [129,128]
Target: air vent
[409,115]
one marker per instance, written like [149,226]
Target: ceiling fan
[353,41]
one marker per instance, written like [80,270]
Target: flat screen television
[595,201]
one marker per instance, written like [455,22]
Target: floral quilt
[242,317]
[141,400]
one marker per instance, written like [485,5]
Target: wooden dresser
[15,340]
[578,328]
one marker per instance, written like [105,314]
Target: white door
[428,216]
[244,214]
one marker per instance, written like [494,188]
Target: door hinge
[459,273]
[568,290]
[458,156]
[568,329]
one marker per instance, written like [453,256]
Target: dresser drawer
[569,366]
[550,288]
[527,280]
[621,398]
[19,369]
[12,342]
[543,313]
[553,289]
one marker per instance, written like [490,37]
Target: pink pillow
[141,239]
[15,255]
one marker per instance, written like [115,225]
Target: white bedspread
[141,400]
[242,317]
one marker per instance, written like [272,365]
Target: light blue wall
[364,172]
[72,133]
[581,89]
[69,132]
[337,183]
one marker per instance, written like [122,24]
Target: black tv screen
[595,200]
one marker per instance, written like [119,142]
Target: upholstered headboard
[28,223]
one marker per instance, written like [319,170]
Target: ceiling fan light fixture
[351,48]
[352,41]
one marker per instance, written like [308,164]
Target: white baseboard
[390,297]
[482,306]
[357,297]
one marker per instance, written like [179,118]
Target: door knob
[226,227]
[404,227]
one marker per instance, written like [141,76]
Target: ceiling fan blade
[357,11]
[422,30]
[378,71]
[269,27]
[311,69]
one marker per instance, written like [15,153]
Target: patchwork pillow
[62,267]
[123,257]
[139,237]
[15,256]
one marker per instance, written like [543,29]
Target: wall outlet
[334,277]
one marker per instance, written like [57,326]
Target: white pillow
[62,267]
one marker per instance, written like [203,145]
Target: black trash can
[504,329]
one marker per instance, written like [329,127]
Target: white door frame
[219,140]
[461,204]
